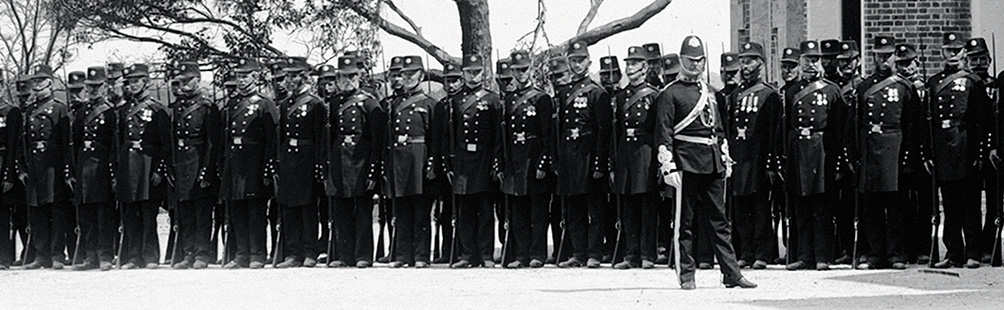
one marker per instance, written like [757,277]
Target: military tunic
[358,125]
[584,120]
[249,146]
[814,132]
[754,113]
[959,113]
[197,136]
[49,157]
[528,117]
[889,117]
[634,127]
[11,123]
[301,149]
[411,120]
[476,118]
[94,151]
[144,150]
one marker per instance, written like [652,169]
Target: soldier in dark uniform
[409,165]
[142,174]
[670,67]
[277,81]
[248,165]
[814,128]
[475,168]
[849,65]
[584,119]
[692,153]
[610,77]
[526,126]
[831,49]
[730,73]
[653,55]
[11,188]
[560,80]
[790,76]
[16,194]
[610,74]
[888,117]
[978,59]
[504,77]
[961,110]
[395,89]
[74,90]
[358,129]
[48,168]
[454,85]
[300,157]
[633,162]
[94,150]
[197,134]
[846,64]
[754,110]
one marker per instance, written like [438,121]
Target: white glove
[673,179]
[727,159]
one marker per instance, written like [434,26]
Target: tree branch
[441,55]
[393,7]
[593,8]
[624,24]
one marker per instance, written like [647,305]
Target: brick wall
[920,22]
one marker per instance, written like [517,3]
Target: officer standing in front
[978,58]
[692,153]
[248,165]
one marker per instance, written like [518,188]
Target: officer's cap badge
[811,45]
[694,42]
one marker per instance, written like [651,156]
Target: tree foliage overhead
[33,32]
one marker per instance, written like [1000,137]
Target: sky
[510,19]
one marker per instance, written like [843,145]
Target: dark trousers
[20,221]
[97,227]
[993,206]
[412,219]
[917,211]
[585,225]
[610,227]
[881,219]
[323,213]
[6,248]
[753,222]
[47,232]
[272,213]
[299,231]
[664,226]
[638,224]
[704,245]
[354,229]
[961,201]
[529,227]
[70,230]
[705,194]
[248,221]
[140,219]
[195,228]
[814,219]
[501,213]
[218,233]
[444,218]
[474,227]
[843,213]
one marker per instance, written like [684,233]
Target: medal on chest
[3,122]
[580,102]
[892,94]
[959,85]
[146,115]
[530,111]
[251,109]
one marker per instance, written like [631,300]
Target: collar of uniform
[747,85]
[413,91]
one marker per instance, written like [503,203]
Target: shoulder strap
[414,98]
[948,81]
[470,100]
[809,89]
[642,93]
[753,89]
[893,79]
[301,101]
[694,113]
[581,90]
[101,108]
[530,94]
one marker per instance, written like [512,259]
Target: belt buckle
[348,140]
[876,128]
[741,133]
[294,142]
[402,138]
[630,132]
[574,133]
[181,143]
[88,143]
[238,140]
[138,144]
[946,123]
[39,145]
[471,147]
[805,131]
[520,136]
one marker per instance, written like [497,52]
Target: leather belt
[39,145]
[522,137]
[698,140]
[576,133]
[295,142]
[349,139]
[878,129]
[635,132]
[190,142]
[949,123]
[406,139]
[135,144]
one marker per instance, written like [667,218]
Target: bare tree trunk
[476,30]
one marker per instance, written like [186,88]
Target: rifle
[275,175]
[392,180]
[505,197]
[225,230]
[173,199]
[617,197]
[789,247]
[330,176]
[861,146]
[453,195]
[118,156]
[995,258]
[936,210]
[561,198]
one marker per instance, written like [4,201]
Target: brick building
[783,23]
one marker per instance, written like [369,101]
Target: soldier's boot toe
[647,264]
[363,264]
[899,265]
[200,264]
[570,263]
[105,265]
[515,265]
[760,264]
[688,285]
[57,265]
[461,264]
[488,264]
[384,260]
[256,265]
[37,264]
[742,264]
[741,282]
[232,265]
[799,265]
[421,264]
[662,259]
[593,263]
[623,265]
[822,266]
[843,260]
[309,262]
[289,262]
[441,260]
[607,258]
[181,265]
[972,264]
[945,263]
[923,259]
[337,264]
[704,266]
[396,264]
[536,263]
